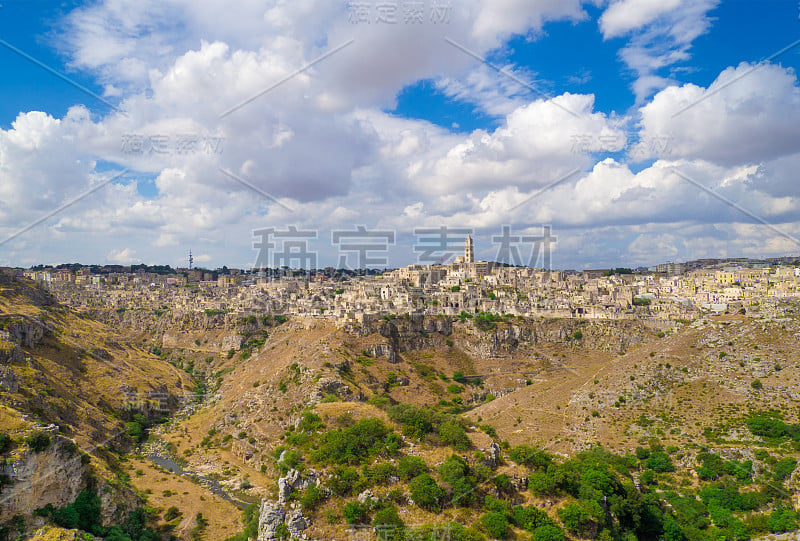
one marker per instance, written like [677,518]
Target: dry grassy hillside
[273,387]
[304,362]
[75,372]
[561,385]
[68,385]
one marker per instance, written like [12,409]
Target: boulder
[296,522]
[383,350]
[367,497]
[334,386]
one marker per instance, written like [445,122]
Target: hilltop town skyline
[653,267]
[666,293]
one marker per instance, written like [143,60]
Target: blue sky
[28,26]
[400,129]
[574,57]
[567,57]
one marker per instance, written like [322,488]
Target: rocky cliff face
[26,332]
[218,333]
[10,354]
[18,332]
[149,321]
[405,333]
[54,476]
[422,332]
[611,335]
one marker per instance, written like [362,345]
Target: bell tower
[469,251]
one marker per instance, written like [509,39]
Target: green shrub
[742,471]
[136,431]
[5,442]
[496,524]
[769,424]
[659,461]
[250,517]
[282,532]
[343,481]
[426,493]
[387,517]
[531,457]
[727,496]
[486,321]
[171,513]
[490,431]
[549,532]
[453,434]
[309,422]
[711,468]
[542,484]
[381,473]
[784,468]
[411,466]
[490,503]
[416,422]
[83,513]
[38,441]
[648,478]
[782,520]
[575,519]
[311,498]
[503,483]
[530,518]
[355,513]
[355,444]
[453,469]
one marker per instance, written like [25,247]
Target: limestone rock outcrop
[492,456]
[294,481]
[271,516]
[275,519]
